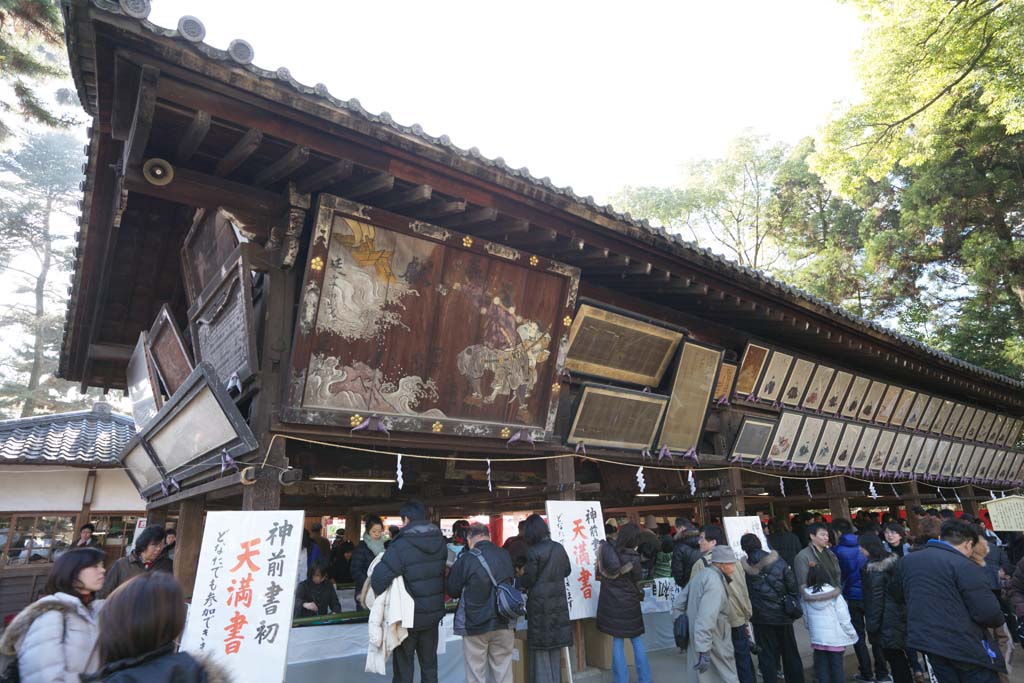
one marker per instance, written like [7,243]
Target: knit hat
[722,554]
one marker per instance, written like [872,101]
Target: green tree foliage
[40,182]
[31,53]
[727,201]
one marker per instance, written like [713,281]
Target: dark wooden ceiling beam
[504,228]
[334,172]
[367,187]
[142,117]
[293,160]
[404,198]
[205,191]
[126,85]
[472,217]
[439,208]
[193,137]
[239,153]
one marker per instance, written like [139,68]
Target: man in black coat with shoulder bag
[773,599]
[950,606]
[418,555]
[488,641]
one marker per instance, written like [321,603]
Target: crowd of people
[941,606]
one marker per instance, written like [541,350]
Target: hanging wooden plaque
[897,452]
[985,427]
[854,398]
[965,462]
[167,349]
[774,377]
[954,419]
[143,384]
[726,377]
[916,411]
[865,447]
[607,344]
[753,362]
[869,406]
[881,450]
[810,431]
[931,411]
[965,422]
[617,418]
[796,385]
[752,438]
[847,445]
[692,389]
[784,438]
[913,453]
[826,448]
[997,428]
[208,245]
[939,461]
[928,450]
[902,410]
[222,325]
[817,390]
[942,417]
[888,404]
[837,393]
[952,458]
[430,330]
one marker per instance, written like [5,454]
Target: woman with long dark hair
[547,610]
[618,606]
[54,637]
[139,627]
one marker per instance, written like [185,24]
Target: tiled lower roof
[85,436]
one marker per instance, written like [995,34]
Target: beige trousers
[489,651]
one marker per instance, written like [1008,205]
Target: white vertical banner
[241,612]
[579,526]
[736,527]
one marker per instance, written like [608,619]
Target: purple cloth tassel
[523,435]
[227,462]
[581,448]
[666,452]
[691,454]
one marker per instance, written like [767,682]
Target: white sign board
[736,527]
[1006,514]
[241,611]
[579,526]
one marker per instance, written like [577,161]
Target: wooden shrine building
[296,291]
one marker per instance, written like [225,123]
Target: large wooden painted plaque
[847,445]
[167,349]
[143,385]
[930,413]
[913,453]
[752,438]
[221,320]
[617,418]
[986,425]
[916,411]
[754,358]
[952,458]
[692,389]
[927,454]
[207,246]
[953,423]
[975,425]
[939,461]
[865,447]
[607,344]
[964,463]
[942,417]
[428,329]
[997,428]
[726,377]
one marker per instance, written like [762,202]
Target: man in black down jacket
[949,604]
[685,552]
[769,581]
[488,641]
[418,555]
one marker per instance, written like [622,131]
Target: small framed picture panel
[897,452]
[869,406]
[902,409]
[986,427]
[617,418]
[784,437]
[817,388]
[964,462]
[847,445]
[865,447]
[692,390]
[997,429]
[726,378]
[207,246]
[927,454]
[752,438]
[979,463]
[143,384]
[881,450]
[222,322]
[610,345]
[753,362]
[945,410]
[796,385]
[855,397]
[952,458]
[826,448]
[888,404]
[939,459]
[1005,461]
[930,412]
[975,425]
[912,454]
[1004,431]
[916,412]
[1016,473]
[954,419]
[965,422]
[837,392]
[810,431]
[774,377]
[167,349]
[1014,434]
[997,462]
[986,463]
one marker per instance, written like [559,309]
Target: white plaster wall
[41,488]
[115,493]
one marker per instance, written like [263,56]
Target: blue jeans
[741,652]
[828,667]
[619,672]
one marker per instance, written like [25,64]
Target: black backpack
[508,600]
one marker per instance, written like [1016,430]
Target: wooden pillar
[911,502]
[353,527]
[190,540]
[87,496]
[970,502]
[157,516]
[838,503]
[733,504]
[562,474]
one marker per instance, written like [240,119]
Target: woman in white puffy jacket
[54,638]
[828,619]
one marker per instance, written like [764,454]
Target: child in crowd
[828,619]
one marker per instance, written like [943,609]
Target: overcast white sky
[596,95]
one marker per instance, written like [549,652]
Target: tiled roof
[86,436]
[240,55]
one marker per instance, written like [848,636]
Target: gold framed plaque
[754,358]
[692,389]
[726,377]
